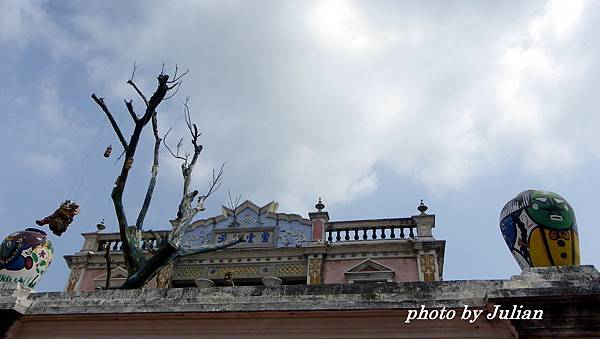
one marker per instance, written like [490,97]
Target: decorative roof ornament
[422,208]
[540,229]
[100,226]
[320,206]
[25,256]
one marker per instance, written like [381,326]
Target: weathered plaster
[569,295]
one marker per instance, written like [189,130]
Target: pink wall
[317,229]
[405,269]
[265,325]
[88,283]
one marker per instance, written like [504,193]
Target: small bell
[108,151]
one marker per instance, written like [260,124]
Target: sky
[371,105]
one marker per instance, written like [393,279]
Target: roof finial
[422,208]
[320,206]
[100,226]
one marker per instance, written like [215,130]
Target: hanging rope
[88,163]
[80,176]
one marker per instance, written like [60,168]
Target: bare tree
[233,206]
[141,267]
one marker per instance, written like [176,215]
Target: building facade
[278,249]
[296,277]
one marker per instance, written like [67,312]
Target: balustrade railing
[374,229]
[335,231]
[149,242]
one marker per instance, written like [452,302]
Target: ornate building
[279,248]
[299,278]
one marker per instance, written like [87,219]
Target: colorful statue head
[25,256]
[540,229]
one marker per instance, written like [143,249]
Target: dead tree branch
[140,267]
[178,148]
[113,122]
[130,82]
[186,211]
[129,105]
[177,78]
[150,191]
[131,237]
[135,67]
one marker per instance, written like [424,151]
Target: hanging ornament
[108,151]
[61,218]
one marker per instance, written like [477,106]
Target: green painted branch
[157,140]
[140,277]
[209,248]
[108,269]
[164,256]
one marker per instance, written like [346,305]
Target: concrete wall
[568,296]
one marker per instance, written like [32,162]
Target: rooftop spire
[320,206]
[422,208]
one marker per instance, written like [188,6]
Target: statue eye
[542,199]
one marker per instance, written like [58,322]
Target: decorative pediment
[259,226]
[369,271]
[117,278]
[268,208]
[250,215]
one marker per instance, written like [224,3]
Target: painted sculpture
[61,218]
[25,256]
[540,230]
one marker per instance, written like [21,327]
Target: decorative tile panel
[427,263]
[186,272]
[291,270]
[74,278]
[315,271]
[163,279]
[236,271]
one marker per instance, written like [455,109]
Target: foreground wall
[289,325]
[569,298]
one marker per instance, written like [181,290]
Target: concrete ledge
[535,283]
[14,296]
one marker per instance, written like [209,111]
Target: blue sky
[371,105]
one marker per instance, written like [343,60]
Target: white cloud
[337,23]
[50,108]
[308,99]
[43,163]
[16,18]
